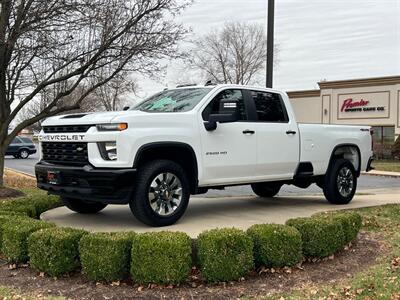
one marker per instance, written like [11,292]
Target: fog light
[108,150]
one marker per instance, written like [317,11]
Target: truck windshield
[179,100]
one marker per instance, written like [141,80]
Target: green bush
[44,203]
[31,205]
[15,237]
[19,206]
[161,257]
[321,236]
[55,251]
[351,223]
[276,245]
[106,256]
[6,216]
[224,254]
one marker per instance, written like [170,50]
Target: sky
[317,39]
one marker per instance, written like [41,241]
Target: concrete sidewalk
[209,213]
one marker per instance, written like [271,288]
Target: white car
[184,141]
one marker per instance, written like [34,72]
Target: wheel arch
[347,151]
[179,152]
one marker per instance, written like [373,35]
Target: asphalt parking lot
[365,182]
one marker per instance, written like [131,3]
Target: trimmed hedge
[6,216]
[351,223]
[161,257]
[55,251]
[225,254]
[276,245]
[32,205]
[15,237]
[321,236]
[20,206]
[106,256]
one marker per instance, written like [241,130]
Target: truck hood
[88,118]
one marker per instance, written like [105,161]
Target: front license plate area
[53,177]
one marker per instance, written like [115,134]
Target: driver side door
[229,151]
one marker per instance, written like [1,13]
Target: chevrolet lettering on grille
[61,137]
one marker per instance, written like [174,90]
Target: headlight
[108,150]
[112,127]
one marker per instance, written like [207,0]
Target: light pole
[270,42]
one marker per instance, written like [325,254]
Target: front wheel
[161,193]
[266,189]
[83,207]
[340,182]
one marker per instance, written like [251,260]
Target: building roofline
[304,94]
[361,82]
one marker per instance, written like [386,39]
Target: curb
[384,174]
[20,172]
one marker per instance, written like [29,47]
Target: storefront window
[383,138]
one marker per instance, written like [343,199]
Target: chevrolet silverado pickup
[185,141]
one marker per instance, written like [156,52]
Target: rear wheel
[23,153]
[161,193]
[340,182]
[266,189]
[83,207]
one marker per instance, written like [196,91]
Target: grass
[381,281]
[17,180]
[387,165]
[9,293]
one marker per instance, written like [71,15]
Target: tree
[235,54]
[61,45]
[110,96]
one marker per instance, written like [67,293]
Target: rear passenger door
[277,136]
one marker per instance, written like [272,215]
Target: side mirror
[229,112]
[126,108]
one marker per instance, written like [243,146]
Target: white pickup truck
[184,141]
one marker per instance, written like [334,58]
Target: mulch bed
[329,272]
[10,193]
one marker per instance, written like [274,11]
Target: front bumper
[111,186]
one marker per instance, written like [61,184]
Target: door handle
[290,132]
[247,131]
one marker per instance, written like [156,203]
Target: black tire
[162,196]
[83,207]
[266,189]
[340,182]
[23,153]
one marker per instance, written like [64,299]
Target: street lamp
[270,43]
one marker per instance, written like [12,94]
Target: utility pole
[270,42]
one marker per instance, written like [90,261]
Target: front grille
[65,153]
[66,128]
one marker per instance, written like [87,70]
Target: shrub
[15,236]
[276,245]
[224,254]
[32,205]
[321,236]
[161,257]
[4,218]
[19,206]
[106,256]
[396,148]
[55,251]
[43,203]
[351,223]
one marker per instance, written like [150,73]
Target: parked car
[184,141]
[21,147]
